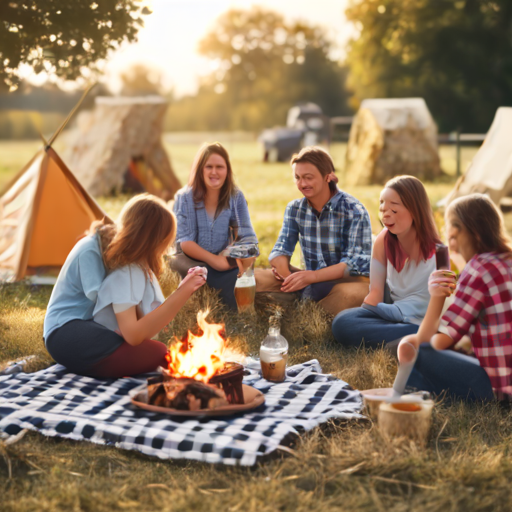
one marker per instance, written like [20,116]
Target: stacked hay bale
[391,137]
[119,142]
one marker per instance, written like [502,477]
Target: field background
[466,464]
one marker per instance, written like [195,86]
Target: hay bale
[389,137]
[120,138]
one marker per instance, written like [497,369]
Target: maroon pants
[131,360]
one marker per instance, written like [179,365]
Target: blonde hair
[146,229]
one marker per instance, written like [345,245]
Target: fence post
[457,145]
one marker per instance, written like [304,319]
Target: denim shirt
[213,235]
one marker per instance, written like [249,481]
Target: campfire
[200,374]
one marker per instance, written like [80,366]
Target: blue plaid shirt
[340,234]
[213,235]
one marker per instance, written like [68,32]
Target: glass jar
[245,291]
[274,356]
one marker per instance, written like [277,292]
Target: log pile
[186,395]
[224,388]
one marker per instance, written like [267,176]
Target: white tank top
[409,288]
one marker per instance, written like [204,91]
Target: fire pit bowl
[252,399]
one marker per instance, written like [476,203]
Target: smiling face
[309,180]
[215,172]
[394,215]
[459,238]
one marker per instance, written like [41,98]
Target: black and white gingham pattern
[57,403]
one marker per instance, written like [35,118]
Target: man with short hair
[334,232]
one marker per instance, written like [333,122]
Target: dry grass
[466,465]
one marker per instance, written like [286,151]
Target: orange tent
[43,213]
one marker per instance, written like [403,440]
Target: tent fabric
[390,137]
[119,131]
[42,215]
[490,171]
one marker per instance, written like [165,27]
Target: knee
[346,327]
[156,347]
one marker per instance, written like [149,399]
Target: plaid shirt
[482,308]
[212,235]
[341,233]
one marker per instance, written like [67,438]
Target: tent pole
[70,115]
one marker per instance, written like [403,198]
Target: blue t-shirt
[127,285]
[74,294]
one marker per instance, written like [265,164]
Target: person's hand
[220,263]
[195,278]
[244,264]
[442,283]
[408,349]
[278,275]
[298,281]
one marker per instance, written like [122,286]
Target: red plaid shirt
[482,308]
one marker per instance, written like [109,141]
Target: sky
[172,32]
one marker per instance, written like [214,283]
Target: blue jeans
[354,326]
[459,375]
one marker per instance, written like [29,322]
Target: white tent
[490,172]
[392,136]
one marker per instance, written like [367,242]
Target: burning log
[224,388]
[230,379]
[199,376]
[186,395]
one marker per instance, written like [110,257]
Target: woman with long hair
[212,213]
[403,258]
[481,308]
[102,326]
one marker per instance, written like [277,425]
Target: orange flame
[200,357]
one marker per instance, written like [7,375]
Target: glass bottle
[274,355]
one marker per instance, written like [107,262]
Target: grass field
[465,466]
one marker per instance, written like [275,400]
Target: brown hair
[414,197]
[483,221]
[106,230]
[146,228]
[196,178]
[319,158]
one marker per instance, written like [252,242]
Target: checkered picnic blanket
[58,403]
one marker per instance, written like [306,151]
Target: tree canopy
[63,37]
[264,66]
[457,54]
[141,79]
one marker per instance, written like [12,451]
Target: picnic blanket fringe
[55,402]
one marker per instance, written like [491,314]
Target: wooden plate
[252,398]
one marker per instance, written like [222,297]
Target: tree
[265,66]
[141,80]
[457,54]
[63,37]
